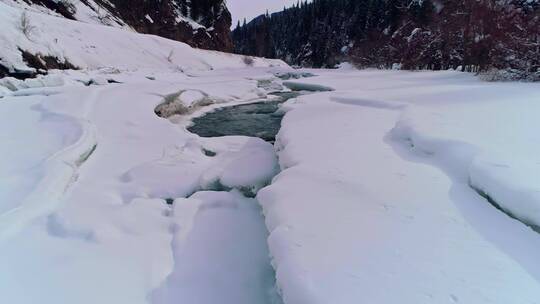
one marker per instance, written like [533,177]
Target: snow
[148,18]
[377,191]
[496,156]
[88,165]
[345,66]
[194,25]
[382,187]
[35,178]
[191,97]
[414,32]
[9,84]
[94,46]
[223,236]
[241,163]
[104,164]
[362,205]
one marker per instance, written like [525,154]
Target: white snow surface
[88,170]
[375,204]
[376,193]
[223,237]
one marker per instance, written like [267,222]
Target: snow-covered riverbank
[376,200]
[378,191]
[105,234]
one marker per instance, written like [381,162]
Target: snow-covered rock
[246,164]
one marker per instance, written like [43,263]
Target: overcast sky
[250,9]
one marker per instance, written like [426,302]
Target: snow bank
[4,91]
[107,239]
[223,237]
[361,211]
[191,97]
[511,184]
[74,138]
[360,208]
[10,84]
[246,164]
[242,163]
[496,156]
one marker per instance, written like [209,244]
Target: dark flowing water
[258,119]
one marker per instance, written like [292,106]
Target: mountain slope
[200,23]
[52,42]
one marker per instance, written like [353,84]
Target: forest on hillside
[470,35]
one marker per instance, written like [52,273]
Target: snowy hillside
[199,23]
[58,41]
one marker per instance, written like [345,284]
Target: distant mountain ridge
[199,23]
[472,35]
